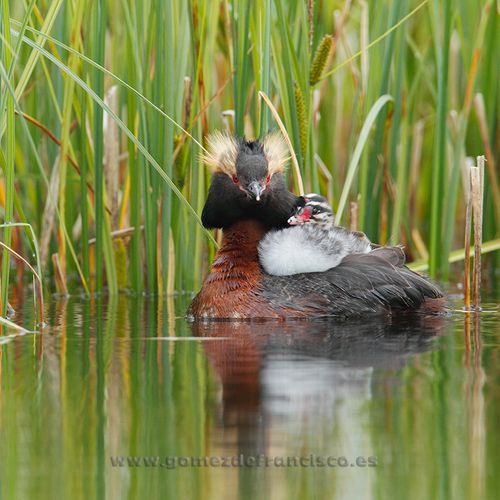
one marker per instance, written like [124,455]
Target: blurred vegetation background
[97,163]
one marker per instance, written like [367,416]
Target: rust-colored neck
[230,290]
[239,243]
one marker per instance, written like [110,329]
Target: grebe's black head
[252,174]
[315,210]
[250,165]
[247,181]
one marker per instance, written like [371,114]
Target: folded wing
[361,284]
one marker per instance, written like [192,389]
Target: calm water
[122,400]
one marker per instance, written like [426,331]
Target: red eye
[235,179]
[268,180]
[306,213]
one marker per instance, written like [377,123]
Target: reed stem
[439,166]
[99,37]
[9,161]
[477,188]
[467,235]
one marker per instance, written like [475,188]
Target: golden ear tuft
[222,153]
[276,152]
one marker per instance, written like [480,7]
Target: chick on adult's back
[313,244]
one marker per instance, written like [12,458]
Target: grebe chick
[313,244]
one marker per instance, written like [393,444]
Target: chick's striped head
[316,209]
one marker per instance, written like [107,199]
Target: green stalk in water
[98,40]
[439,164]
[9,158]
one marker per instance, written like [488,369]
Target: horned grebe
[247,198]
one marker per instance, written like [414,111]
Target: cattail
[301,118]
[320,58]
[310,16]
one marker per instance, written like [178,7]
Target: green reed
[182,69]
[8,158]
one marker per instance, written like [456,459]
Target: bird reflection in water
[293,386]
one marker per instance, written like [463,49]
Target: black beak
[255,188]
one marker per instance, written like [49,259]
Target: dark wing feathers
[361,284]
[394,255]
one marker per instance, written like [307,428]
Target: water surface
[124,399]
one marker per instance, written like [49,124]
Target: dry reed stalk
[353,215]
[171,267]
[364,41]
[59,275]
[118,234]
[477,187]
[468,221]
[327,175]
[419,244]
[49,212]
[287,140]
